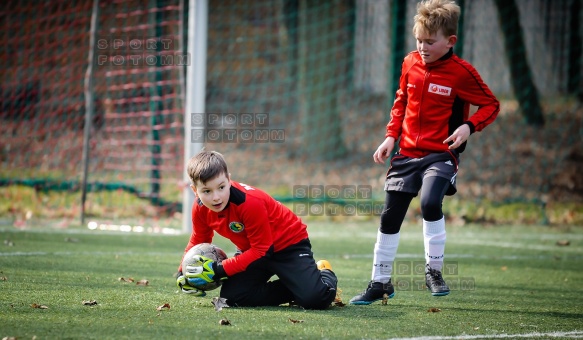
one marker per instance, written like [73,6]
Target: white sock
[434,241]
[385,250]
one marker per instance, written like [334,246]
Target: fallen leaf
[164,306]
[9,338]
[504,268]
[476,328]
[219,303]
[385,299]
[129,279]
[295,321]
[434,310]
[143,283]
[9,243]
[338,299]
[563,243]
[36,305]
[89,302]
[224,322]
[3,278]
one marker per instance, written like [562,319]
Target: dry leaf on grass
[3,278]
[563,243]
[295,321]
[434,310]
[338,299]
[164,306]
[143,283]
[219,303]
[504,268]
[36,305]
[224,322]
[89,302]
[129,279]
[385,299]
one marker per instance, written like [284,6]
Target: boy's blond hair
[433,15]
[205,166]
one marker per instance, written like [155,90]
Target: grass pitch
[507,282]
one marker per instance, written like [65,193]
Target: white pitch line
[572,334]
[512,245]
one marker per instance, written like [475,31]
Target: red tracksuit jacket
[434,99]
[253,221]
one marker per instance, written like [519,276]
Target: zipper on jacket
[420,106]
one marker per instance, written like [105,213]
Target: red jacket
[434,99]
[253,221]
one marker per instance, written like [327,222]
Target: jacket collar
[441,60]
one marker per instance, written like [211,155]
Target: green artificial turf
[507,281]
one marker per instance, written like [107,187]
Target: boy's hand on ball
[182,283]
[201,274]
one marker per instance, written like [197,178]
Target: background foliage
[322,71]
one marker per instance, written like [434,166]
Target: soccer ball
[207,250]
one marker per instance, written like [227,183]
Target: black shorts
[406,174]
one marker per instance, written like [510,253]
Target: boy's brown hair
[433,15]
[205,166]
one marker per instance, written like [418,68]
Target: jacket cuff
[472,127]
[219,271]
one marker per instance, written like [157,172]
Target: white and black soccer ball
[208,250]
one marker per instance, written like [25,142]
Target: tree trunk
[520,74]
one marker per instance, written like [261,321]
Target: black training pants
[298,280]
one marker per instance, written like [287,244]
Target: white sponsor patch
[438,89]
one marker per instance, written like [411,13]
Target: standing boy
[271,238]
[430,115]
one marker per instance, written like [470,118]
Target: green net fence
[297,99]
